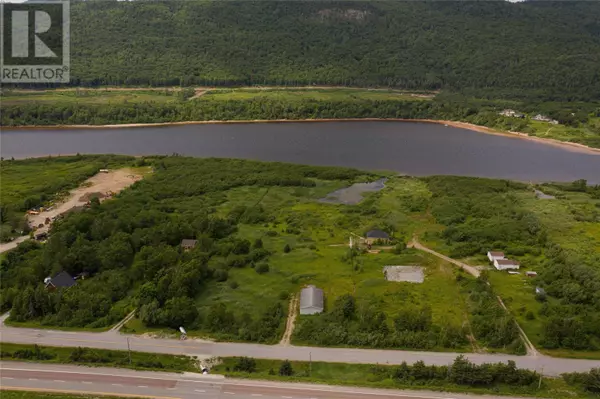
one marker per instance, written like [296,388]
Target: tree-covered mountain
[546,49]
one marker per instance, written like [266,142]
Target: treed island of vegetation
[468,61]
[262,232]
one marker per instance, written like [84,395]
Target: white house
[506,264]
[492,256]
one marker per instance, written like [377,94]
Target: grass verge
[97,357]
[380,376]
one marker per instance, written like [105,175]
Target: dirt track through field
[291,321]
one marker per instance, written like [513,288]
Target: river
[412,148]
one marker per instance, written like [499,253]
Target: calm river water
[412,148]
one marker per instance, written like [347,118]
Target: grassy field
[565,133]
[95,96]
[380,376]
[566,219]
[319,248]
[97,357]
[324,94]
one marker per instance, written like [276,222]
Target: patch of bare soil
[104,184]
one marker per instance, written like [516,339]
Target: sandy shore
[462,125]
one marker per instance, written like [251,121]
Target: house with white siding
[506,264]
[492,255]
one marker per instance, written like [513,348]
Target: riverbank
[577,147]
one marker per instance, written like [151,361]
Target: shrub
[286,369]
[287,248]
[258,243]
[221,275]
[262,268]
[233,284]
[245,364]
[284,295]
[529,315]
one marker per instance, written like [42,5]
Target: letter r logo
[20,34]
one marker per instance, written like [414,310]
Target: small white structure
[103,170]
[513,272]
[492,256]
[511,113]
[311,300]
[540,291]
[506,264]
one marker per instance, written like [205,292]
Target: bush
[233,284]
[287,248]
[284,295]
[400,247]
[286,369]
[262,268]
[258,243]
[529,315]
[245,364]
[221,275]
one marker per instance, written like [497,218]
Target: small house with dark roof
[311,300]
[188,244]
[377,235]
[61,280]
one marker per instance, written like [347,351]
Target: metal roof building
[311,300]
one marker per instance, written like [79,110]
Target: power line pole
[541,374]
[129,350]
[309,364]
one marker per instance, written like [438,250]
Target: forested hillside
[545,49]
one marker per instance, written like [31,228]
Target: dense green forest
[546,49]
[262,235]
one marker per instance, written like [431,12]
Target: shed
[188,244]
[311,300]
[531,274]
[506,264]
[61,280]
[377,235]
[493,255]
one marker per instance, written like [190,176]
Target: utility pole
[129,350]
[541,374]
[309,364]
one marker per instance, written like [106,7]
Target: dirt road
[414,243]
[113,181]
[291,321]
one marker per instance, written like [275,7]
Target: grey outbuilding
[311,300]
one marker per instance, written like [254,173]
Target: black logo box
[53,38]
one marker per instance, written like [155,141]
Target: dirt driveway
[113,181]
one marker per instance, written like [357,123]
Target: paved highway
[129,383]
[205,349]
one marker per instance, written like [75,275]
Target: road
[130,383]
[206,349]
